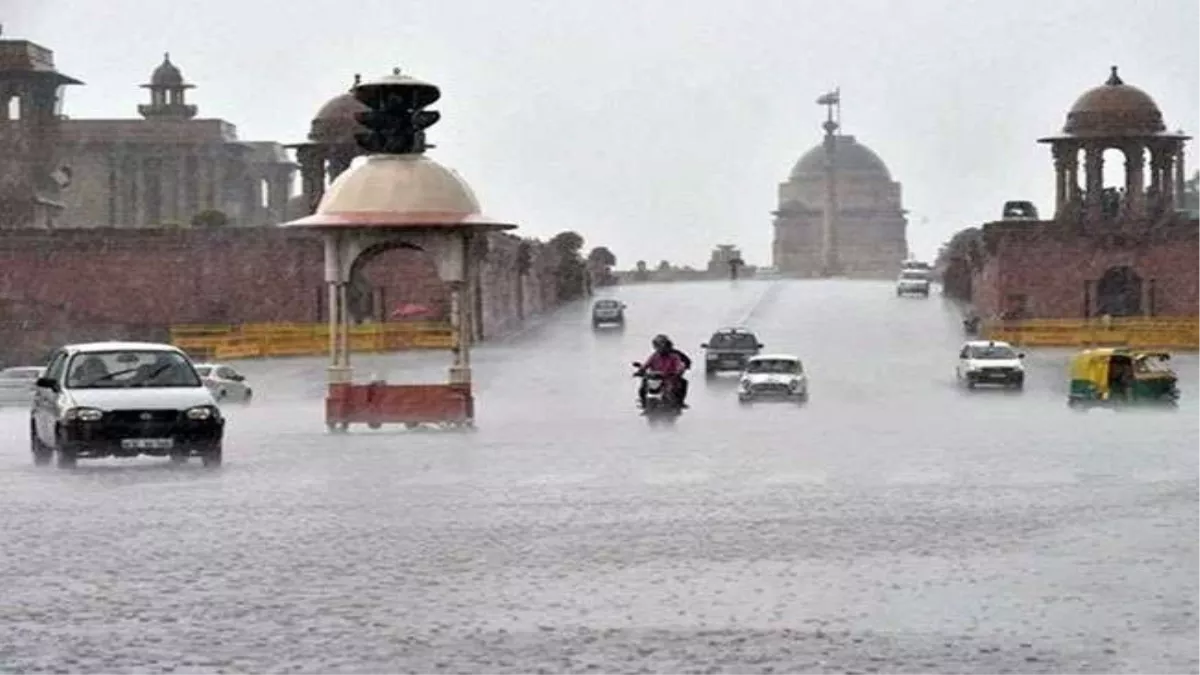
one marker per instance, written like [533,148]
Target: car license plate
[148,443]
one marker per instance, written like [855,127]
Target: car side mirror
[1021,355]
[704,345]
[47,383]
[761,345]
[237,378]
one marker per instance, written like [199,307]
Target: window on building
[264,193]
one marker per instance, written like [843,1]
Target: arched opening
[1119,293]
[13,109]
[396,282]
[264,194]
[1113,192]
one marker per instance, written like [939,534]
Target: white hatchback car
[990,362]
[123,399]
[226,383]
[778,376]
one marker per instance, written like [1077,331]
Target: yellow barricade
[304,339]
[1135,332]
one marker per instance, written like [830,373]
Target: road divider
[267,340]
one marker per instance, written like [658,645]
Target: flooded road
[895,523]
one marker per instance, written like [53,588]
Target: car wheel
[212,458]
[178,458]
[41,454]
[249,395]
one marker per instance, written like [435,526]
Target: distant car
[729,349]
[123,399]
[608,312]
[225,383]
[778,376]
[17,385]
[914,282]
[990,362]
[1019,210]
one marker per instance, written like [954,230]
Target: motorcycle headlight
[201,413]
[83,415]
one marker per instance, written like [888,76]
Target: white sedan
[779,376]
[17,385]
[225,383]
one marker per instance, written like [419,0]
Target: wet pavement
[894,523]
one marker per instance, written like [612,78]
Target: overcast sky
[658,128]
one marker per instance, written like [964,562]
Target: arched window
[14,108]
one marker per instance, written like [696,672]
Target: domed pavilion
[1116,116]
[868,231]
[1111,251]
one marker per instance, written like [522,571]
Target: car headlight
[83,415]
[201,413]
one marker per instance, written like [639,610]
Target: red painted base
[409,404]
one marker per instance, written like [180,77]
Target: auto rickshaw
[1118,376]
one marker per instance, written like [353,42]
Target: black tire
[41,454]
[970,383]
[249,395]
[177,458]
[212,459]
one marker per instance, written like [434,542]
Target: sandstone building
[160,170]
[868,230]
[1127,249]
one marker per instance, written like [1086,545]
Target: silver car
[225,383]
[18,384]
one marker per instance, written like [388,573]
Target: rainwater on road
[894,523]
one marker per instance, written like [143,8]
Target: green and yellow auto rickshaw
[1118,376]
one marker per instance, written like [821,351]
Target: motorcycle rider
[666,360]
[687,365]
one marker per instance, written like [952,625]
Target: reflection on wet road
[893,523]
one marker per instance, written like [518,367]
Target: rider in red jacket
[670,363]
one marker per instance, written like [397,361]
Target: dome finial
[396,70]
[166,57]
[1114,79]
[357,79]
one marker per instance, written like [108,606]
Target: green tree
[602,257]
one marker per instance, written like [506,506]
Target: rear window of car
[914,274]
[607,304]
[733,341]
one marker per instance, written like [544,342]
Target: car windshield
[914,274]
[987,352]
[122,369]
[607,304]
[1153,364]
[785,366]
[733,341]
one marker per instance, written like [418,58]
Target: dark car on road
[608,312]
[728,350]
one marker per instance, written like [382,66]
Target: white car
[914,282]
[226,383]
[17,385]
[778,376]
[123,399]
[990,362]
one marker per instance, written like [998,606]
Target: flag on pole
[832,98]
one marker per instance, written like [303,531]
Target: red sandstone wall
[1051,272]
[68,285]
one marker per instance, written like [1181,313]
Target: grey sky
[658,128]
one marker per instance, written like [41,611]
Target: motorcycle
[661,400]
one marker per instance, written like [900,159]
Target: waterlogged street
[894,523]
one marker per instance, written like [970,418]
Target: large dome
[850,157]
[334,123]
[1114,109]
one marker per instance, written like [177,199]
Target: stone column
[139,190]
[218,182]
[1135,193]
[312,174]
[1180,175]
[339,161]
[1094,175]
[1061,192]
[1170,198]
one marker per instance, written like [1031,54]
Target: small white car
[775,376]
[990,362]
[123,399]
[17,385]
[913,282]
[225,383]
